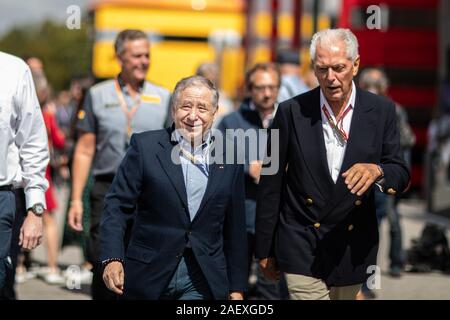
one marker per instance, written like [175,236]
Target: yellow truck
[185,33]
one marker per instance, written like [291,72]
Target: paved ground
[410,286]
[432,286]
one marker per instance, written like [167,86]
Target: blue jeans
[7,213]
[188,281]
[396,254]
[386,207]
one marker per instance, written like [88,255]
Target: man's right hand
[270,269]
[255,170]
[75,215]
[114,277]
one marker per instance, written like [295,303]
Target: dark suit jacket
[149,182]
[313,226]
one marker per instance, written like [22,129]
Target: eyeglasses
[263,88]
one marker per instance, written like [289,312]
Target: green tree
[65,53]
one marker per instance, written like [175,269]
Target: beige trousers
[308,288]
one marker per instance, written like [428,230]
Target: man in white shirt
[23,156]
[315,218]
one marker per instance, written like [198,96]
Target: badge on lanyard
[338,126]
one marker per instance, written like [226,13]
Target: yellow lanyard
[129,113]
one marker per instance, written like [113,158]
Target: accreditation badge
[150,98]
[81,114]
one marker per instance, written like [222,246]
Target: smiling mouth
[192,126]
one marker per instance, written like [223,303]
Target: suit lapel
[173,171]
[309,132]
[362,132]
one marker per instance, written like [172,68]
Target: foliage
[65,53]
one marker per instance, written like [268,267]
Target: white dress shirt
[23,138]
[334,144]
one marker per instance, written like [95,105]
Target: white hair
[329,36]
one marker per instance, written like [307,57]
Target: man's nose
[330,75]
[193,114]
[145,60]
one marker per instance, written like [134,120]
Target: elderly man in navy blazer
[188,239]
[316,217]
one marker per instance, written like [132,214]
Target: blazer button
[178,256]
[317,225]
[189,232]
[350,227]
[309,201]
[391,191]
[358,202]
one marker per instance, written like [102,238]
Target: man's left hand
[31,232]
[236,295]
[360,177]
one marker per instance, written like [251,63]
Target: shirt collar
[123,86]
[266,118]
[351,101]
[186,145]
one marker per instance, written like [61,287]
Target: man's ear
[356,66]
[119,60]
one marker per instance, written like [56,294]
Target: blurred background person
[55,141]
[79,89]
[256,112]
[376,81]
[292,83]
[211,71]
[439,140]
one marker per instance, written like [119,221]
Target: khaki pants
[308,288]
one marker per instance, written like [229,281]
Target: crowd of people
[197,228]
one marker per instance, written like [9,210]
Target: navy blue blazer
[313,226]
[149,183]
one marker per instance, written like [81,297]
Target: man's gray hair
[127,35]
[374,79]
[328,37]
[194,81]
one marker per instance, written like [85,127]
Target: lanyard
[129,113]
[196,160]
[339,125]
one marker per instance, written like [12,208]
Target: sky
[19,12]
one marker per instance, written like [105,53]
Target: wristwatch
[38,209]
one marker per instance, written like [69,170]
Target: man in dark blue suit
[188,239]
[315,217]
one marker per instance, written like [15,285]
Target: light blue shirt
[291,86]
[195,173]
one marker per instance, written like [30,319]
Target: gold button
[350,227]
[317,225]
[391,191]
[358,202]
[309,201]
